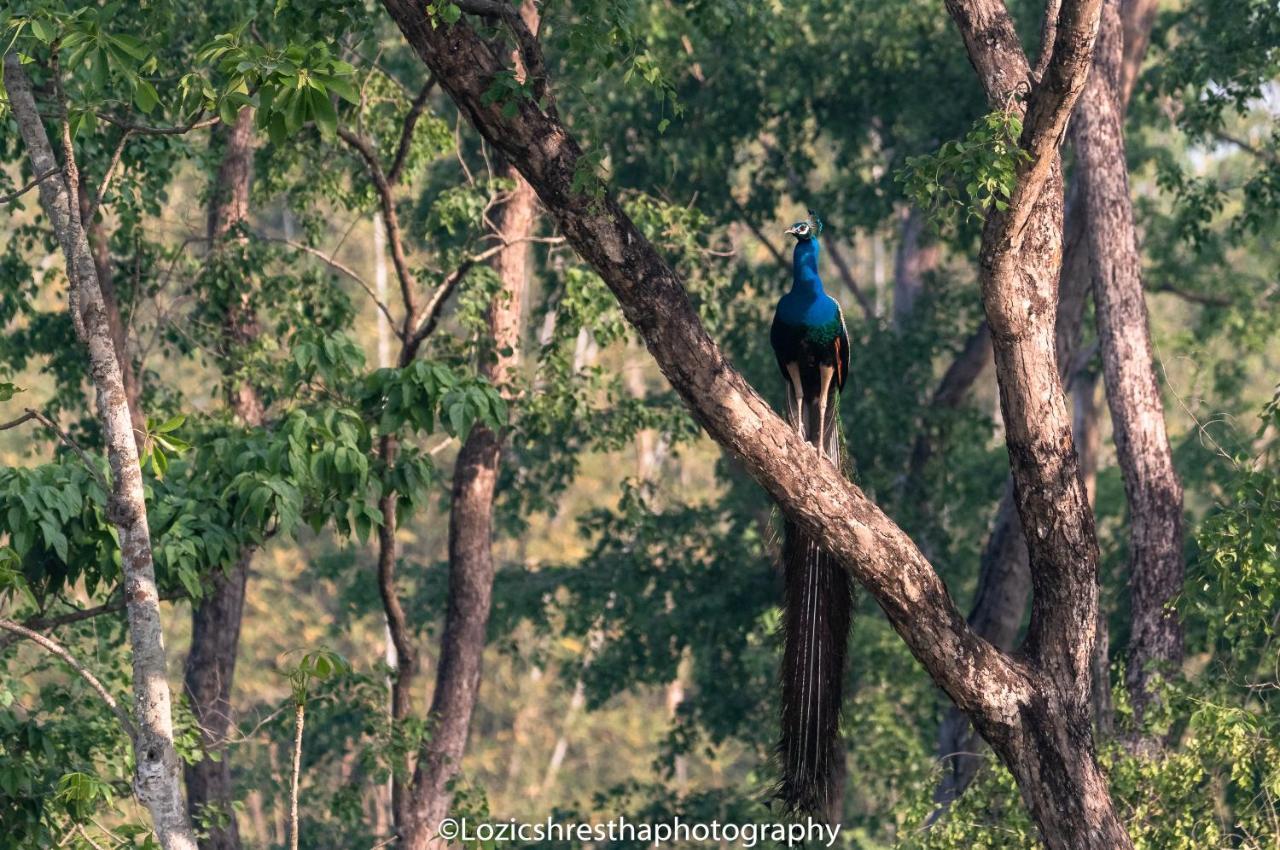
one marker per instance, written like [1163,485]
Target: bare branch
[26,417]
[431,311]
[1048,34]
[44,624]
[1244,145]
[52,646]
[31,184]
[106,177]
[341,268]
[364,147]
[62,435]
[198,123]
[411,117]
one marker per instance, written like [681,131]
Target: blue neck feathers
[804,267]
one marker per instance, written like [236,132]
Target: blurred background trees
[268,319]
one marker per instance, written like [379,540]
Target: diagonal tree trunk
[1033,708]
[216,618]
[475,478]
[1152,488]
[156,782]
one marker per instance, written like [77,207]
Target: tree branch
[31,184]
[43,624]
[435,304]
[341,268]
[530,50]
[52,646]
[106,178]
[411,117]
[62,435]
[197,123]
[364,147]
[808,488]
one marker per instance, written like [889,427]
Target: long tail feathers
[818,610]
[816,620]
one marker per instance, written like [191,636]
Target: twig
[341,268]
[426,322]
[35,181]
[57,649]
[1251,149]
[70,443]
[106,176]
[148,130]
[41,624]
[26,417]
[85,835]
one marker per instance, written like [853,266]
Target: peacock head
[808,229]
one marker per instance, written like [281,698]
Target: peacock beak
[791,231]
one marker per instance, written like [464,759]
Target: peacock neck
[804,268]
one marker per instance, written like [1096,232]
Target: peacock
[811,343]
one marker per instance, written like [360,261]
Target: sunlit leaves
[290,86]
[968,178]
[94,49]
[315,666]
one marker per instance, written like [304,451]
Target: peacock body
[812,348]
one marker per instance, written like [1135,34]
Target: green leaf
[145,96]
[43,30]
[8,390]
[322,111]
[173,423]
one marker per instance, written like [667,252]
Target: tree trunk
[156,782]
[1152,488]
[1084,394]
[1004,571]
[1000,604]
[475,478]
[215,618]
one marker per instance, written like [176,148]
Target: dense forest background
[357,351]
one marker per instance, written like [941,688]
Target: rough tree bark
[156,782]
[215,619]
[1004,580]
[1004,570]
[475,479]
[1152,488]
[1033,708]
